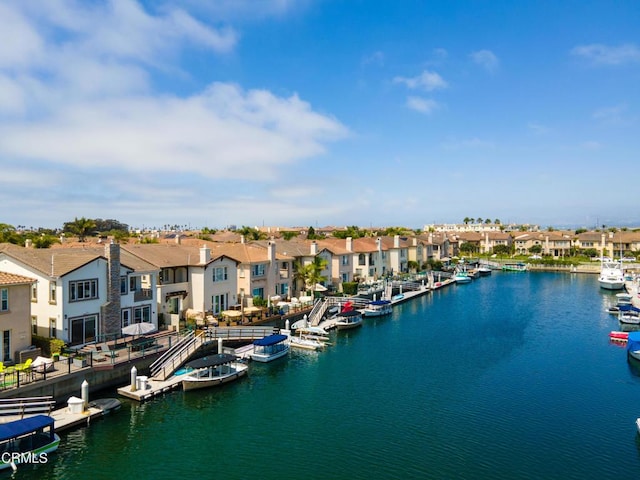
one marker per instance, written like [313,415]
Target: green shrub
[49,346]
[350,288]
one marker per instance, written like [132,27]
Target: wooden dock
[64,419]
[153,388]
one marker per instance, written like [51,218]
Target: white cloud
[611,115]
[422,105]
[486,59]
[599,54]
[427,80]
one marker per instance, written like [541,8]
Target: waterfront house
[190,278]
[15,314]
[83,294]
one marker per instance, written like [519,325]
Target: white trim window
[142,314]
[220,274]
[53,286]
[220,303]
[257,270]
[4,299]
[83,290]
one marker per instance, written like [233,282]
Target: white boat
[378,308]
[623,299]
[484,270]
[611,276]
[306,342]
[638,424]
[270,348]
[462,276]
[633,345]
[213,370]
[28,440]
[348,320]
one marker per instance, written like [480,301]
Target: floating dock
[147,388]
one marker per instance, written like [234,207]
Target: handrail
[178,355]
[172,350]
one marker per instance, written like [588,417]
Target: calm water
[509,377]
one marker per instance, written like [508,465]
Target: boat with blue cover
[28,440]
[270,348]
[377,308]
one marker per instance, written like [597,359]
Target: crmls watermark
[24,457]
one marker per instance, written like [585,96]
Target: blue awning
[270,340]
[380,302]
[22,427]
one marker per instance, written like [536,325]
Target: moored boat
[611,276]
[213,370]
[515,267]
[306,342]
[619,336]
[270,348]
[633,346]
[348,320]
[28,440]
[484,270]
[462,277]
[377,308]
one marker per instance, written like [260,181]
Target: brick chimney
[110,311]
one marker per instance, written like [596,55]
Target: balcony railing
[142,295]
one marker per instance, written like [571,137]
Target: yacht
[611,275]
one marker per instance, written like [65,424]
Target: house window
[362,260]
[284,289]
[258,292]
[34,292]
[345,259]
[257,270]
[220,274]
[53,292]
[83,329]
[53,332]
[133,284]
[173,305]
[345,277]
[34,325]
[4,299]
[83,290]
[142,314]
[6,345]
[220,303]
[125,317]
[123,285]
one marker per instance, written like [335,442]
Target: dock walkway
[151,387]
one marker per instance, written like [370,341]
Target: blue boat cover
[18,428]
[270,340]
[380,302]
[627,307]
[633,341]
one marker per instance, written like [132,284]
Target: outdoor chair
[25,367]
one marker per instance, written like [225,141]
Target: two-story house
[15,314]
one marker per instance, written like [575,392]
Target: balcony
[142,295]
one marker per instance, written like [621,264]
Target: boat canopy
[633,341]
[270,340]
[211,361]
[350,313]
[380,302]
[22,427]
[628,308]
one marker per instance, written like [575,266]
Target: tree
[289,235]
[479,220]
[487,221]
[497,221]
[467,220]
[81,227]
[535,249]
[501,250]
[8,234]
[468,247]
[252,233]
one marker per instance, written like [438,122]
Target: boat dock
[147,388]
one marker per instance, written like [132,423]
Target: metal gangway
[179,353]
[19,407]
[321,307]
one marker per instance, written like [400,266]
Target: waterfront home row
[88,292]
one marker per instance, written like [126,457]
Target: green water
[509,377]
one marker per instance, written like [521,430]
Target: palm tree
[81,227]
[314,272]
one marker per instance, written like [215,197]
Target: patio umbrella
[138,328]
[252,310]
[231,313]
[319,288]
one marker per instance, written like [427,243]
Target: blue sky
[319,112]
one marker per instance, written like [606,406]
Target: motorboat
[462,276]
[629,317]
[484,270]
[213,370]
[611,276]
[378,308]
[28,440]
[515,267]
[348,320]
[623,298]
[270,348]
[307,342]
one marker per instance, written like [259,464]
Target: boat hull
[195,383]
[264,358]
[35,453]
[611,284]
[348,325]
